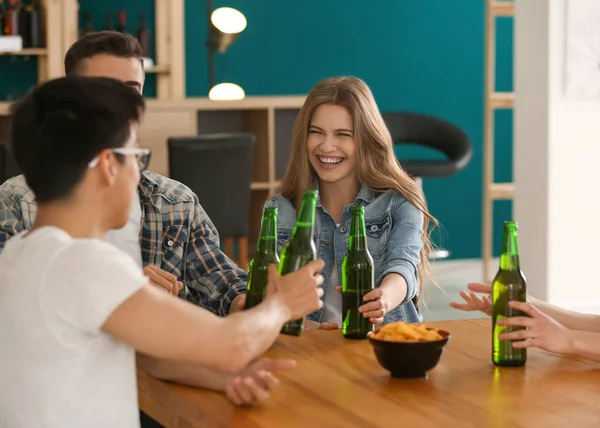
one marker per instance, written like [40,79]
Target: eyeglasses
[142,156]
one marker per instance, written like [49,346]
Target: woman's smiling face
[331,145]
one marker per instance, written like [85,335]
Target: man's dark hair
[102,42]
[62,125]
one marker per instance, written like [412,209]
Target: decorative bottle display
[35,24]
[122,25]
[2,17]
[11,19]
[22,18]
[24,25]
[88,26]
[109,24]
[143,35]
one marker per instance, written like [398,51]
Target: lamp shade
[226,92]
[228,20]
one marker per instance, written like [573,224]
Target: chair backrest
[8,164]
[432,132]
[218,168]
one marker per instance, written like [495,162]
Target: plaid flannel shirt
[176,235]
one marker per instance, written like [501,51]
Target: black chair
[218,168]
[434,133]
[8,164]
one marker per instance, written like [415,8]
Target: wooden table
[338,383]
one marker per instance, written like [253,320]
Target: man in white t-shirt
[74,309]
[168,230]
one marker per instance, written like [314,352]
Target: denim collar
[364,194]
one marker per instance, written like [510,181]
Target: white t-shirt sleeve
[87,282]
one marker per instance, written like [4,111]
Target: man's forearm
[182,373]
[570,319]
[585,344]
[256,329]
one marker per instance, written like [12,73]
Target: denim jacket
[394,229]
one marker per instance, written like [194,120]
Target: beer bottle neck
[306,217]
[509,258]
[358,236]
[267,242]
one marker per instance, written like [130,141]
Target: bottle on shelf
[11,19]
[109,26]
[25,24]
[2,17]
[88,27]
[122,26]
[143,35]
[36,38]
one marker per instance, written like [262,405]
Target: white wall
[557,165]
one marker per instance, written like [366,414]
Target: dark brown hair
[102,42]
[50,124]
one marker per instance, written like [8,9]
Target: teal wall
[17,75]
[420,55]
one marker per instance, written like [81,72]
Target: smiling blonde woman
[342,147]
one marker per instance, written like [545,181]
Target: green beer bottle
[357,278]
[266,254]
[509,284]
[300,249]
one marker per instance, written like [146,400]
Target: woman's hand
[541,331]
[376,308]
[473,302]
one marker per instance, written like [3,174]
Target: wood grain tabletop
[338,383]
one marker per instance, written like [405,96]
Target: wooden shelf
[4,108]
[159,69]
[291,102]
[494,100]
[502,8]
[248,103]
[500,100]
[27,52]
[501,191]
[170,48]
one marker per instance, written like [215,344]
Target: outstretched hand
[474,302]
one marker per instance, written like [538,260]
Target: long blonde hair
[377,166]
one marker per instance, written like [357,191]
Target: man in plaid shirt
[179,244]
